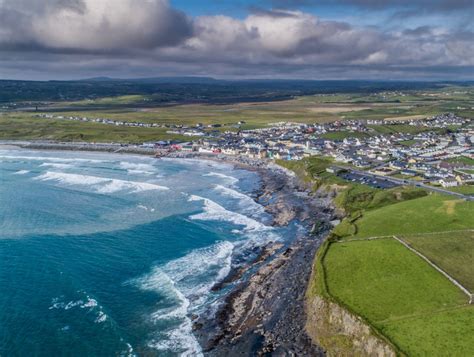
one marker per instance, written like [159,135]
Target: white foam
[101,317]
[145,208]
[56,165]
[101,184]
[137,168]
[129,352]
[245,201]
[90,303]
[230,179]
[21,172]
[215,212]
[179,340]
[185,284]
[86,303]
[48,158]
[121,185]
[72,179]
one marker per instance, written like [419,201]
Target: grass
[393,289]
[396,291]
[399,128]
[362,197]
[376,278]
[439,334]
[255,115]
[433,213]
[29,128]
[341,135]
[398,294]
[311,169]
[310,109]
[409,108]
[408,142]
[453,252]
[462,160]
[466,189]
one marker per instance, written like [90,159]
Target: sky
[239,39]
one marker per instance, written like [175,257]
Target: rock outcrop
[342,333]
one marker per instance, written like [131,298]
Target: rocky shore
[264,314]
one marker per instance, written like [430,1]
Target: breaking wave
[100,184]
[246,202]
[140,168]
[86,303]
[56,165]
[185,284]
[231,179]
[215,212]
[51,159]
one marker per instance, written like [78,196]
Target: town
[438,152]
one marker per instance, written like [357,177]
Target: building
[448,182]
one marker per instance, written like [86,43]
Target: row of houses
[427,157]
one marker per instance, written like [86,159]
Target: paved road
[409,182]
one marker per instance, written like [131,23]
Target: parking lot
[368,180]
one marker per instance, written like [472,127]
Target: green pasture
[452,251]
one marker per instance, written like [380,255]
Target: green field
[466,189]
[408,142]
[396,291]
[398,128]
[28,128]
[444,333]
[453,252]
[156,109]
[402,297]
[433,213]
[372,276]
[462,160]
[341,135]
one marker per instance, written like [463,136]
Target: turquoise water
[110,255]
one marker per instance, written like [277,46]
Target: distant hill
[155,80]
[172,90]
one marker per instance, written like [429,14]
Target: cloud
[430,5]
[149,37]
[294,37]
[91,25]
[278,37]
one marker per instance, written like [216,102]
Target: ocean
[111,255]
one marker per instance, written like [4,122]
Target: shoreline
[264,312]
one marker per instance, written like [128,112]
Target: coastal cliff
[342,333]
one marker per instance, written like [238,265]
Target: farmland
[433,213]
[402,298]
[400,295]
[254,106]
[453,252]
[17,127]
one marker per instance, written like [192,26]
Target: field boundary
[424,314]
[450,278]
[408,234]
[326,294]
